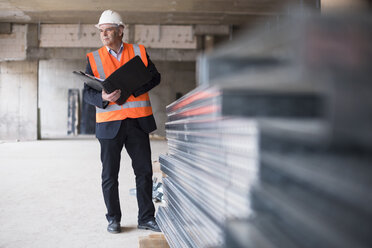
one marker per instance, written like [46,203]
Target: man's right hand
[112,97]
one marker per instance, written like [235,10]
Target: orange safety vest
[103,64]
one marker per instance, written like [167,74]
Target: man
[128,124]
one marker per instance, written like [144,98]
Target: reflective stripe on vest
[99,65]
[134,107]
[114,107]
[137,51]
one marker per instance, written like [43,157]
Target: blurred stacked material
[314,192]
[315,176]
[209,170]
[213,158]
[273,148]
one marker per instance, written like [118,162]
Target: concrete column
[208,43]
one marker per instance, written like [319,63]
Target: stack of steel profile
[206,181]
[315,176]
[313,190]
[273,148]
[213,137]
[213,158]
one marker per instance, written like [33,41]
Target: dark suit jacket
[108,130]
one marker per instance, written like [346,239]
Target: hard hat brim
[113,24]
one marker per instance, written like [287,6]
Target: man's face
[110,34]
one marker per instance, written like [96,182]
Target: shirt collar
[120,49]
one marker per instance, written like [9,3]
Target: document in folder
[128,78]
[92,81]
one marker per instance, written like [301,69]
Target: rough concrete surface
[18,100]
[51,196]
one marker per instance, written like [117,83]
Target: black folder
[128,78]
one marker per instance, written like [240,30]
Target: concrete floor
[50,195]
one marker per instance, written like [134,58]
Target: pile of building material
[273,148]
[315,176]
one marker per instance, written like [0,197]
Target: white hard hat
[110,17]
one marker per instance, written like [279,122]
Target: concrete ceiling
[140,11]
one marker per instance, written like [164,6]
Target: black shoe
[114,226]
[150,225]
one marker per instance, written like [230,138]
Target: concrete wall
[176,77]
[165,36]
[86,35]
[55,78]
[18,100]
[71,35]
[13,45]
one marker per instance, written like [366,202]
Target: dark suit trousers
[137,144]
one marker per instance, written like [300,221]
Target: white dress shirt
[113,53]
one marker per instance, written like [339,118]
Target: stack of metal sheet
[213,154]
[273,148]
[311,192]
[208,172]
[315,176]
